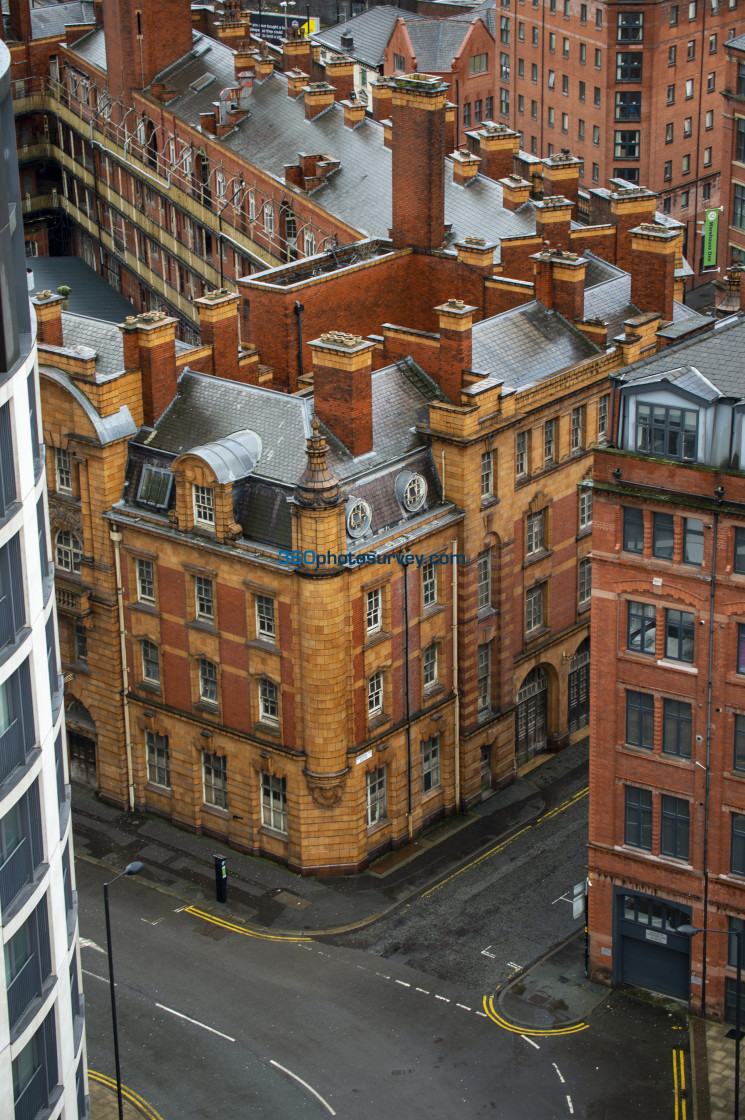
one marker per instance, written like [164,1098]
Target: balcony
[15,873]
[12,750]
[24,988]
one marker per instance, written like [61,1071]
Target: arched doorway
[530,717]
[579,687]
[81,743]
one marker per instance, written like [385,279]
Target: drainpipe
[705,922]
[116,538]
[299,309]
[408,698]
[456,729]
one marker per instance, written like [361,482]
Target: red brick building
[731,219]
[667,760]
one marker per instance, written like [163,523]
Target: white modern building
[42,1047]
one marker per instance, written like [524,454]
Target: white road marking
[85,943]
[383,975]
[570,1105]
[179,910]
[196,1022]
[482,1014]
[403,984]
[97,977]
[559,1073]
[423,991]
[465,1008]
[530,1040]
[443,998]
[511,964]
[485,953]
[305,1085]
[155,923]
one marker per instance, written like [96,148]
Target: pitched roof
[371,31]
[53,19]
[526,344]
[719,355]
[436,42]
[92,49]
[359,192]
[89,292]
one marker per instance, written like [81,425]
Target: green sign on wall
[711,229]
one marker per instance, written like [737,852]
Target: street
[215,1020]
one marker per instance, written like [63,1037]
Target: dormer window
[411,491]
[204,506]
[155,487]
[661,430]
[359,516]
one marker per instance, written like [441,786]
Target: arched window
[68,551]
[530,716]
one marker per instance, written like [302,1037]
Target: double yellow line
[549,1032]
[247,932]
[128,1094]
[500,847]
[679,1084]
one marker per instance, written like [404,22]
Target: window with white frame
[145,581]
[585,582]
[429,663]
[265,618]
[375,693]
[63,470]
[585,507]
[204,505]
[68,552]
[207,681]
[603,418]
[534,608]
[204,602]
[487,475]
[150,662]
[521,454]
[268,702]
[577,434]
[215,777]
[268,219]
[376,799]
[373,611]
[251,206]
[430,749]
[158,759]
[483,677]
[429,584]
[273,802]
[309,242]
[535,532]
[483,581]
[549,442]
[220,186]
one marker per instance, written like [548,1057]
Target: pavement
[104,1105]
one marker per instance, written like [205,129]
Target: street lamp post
[286,4]
[131,869]
[691,931]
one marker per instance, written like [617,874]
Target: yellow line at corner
[549,1032]
[500,847]
[128,1094]
[679,1084]
[247,932]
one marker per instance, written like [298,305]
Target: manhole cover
[289,899]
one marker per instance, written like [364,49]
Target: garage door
[657,967]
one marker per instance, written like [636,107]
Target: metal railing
[33,1097]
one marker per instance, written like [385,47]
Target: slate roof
[102,337]
[611,300]
[119,425]
[207,409]
[436,42]
[485,12]
[685,377]
[371,31]
[521,346]
[53,20]
[719,355]
[359,193]
[92,48]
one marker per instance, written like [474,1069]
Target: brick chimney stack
[296,51]
[629,207]
[653,269]
[342,388]
[455,323]
[340,74]
[319,96]
[465,166]
[561,177]
[20,20]
[515,192]
[149,343]
[497,146]
[218,325]
[553,219]
[136,48]
[382,98]
[560,282]
[418,146]
[48,309]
